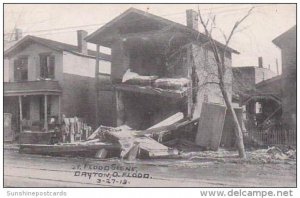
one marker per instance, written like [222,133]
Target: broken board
[210,126]
[170,120]
[148,145]
[153,148]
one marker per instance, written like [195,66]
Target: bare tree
[219,58]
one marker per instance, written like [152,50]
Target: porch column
[45,113]
[21,113]
[59,109]
[96,85]
[120,109]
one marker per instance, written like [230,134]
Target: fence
[274,136]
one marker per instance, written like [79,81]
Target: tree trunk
[237,127]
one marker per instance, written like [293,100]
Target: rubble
[273,154]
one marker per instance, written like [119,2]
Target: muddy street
[24,170]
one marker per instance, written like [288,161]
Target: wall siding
[207,72]
[33,51]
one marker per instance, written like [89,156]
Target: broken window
[258,107]
[21,68]
[47,66]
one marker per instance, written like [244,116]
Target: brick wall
[245,78]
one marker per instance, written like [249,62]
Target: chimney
[260,62]
[82,44]
[18,34]
[192,19]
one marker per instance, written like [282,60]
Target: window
[21,69]
[47,66]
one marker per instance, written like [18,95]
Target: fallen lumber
[153,148]
[131,144]
[94,134]
[67,149]
[101,130]
[169,121]
[163,129]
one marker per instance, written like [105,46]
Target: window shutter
[42,67]
[52,66]
[16,70]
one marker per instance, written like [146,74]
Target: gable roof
[144,20]
[54,45]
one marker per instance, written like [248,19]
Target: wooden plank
[63,149]
[163,129]
[210,126]
[59,109]
[94,134]
[45,113]
[20,111]
[128,141]
[170,120]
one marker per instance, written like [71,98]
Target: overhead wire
[103,23]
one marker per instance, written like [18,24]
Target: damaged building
[160,67]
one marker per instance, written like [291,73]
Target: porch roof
[42,87]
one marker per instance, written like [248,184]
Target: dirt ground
[194,169]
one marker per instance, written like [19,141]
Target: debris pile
[135,143]
[282,154]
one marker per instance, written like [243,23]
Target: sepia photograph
[150,95]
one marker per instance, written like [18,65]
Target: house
[263,103]
[271,104]
[275,98]
[48,79]
[287,42]
[172,64]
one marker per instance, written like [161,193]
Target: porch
[35,106]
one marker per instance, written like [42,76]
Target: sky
[253,38]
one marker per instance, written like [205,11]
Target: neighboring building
[274,100]
[245,78]
[48,79]
[152,46]
[263,103]
[287,42]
